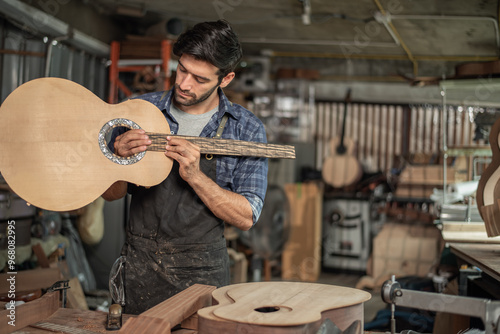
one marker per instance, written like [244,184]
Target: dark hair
[214,42]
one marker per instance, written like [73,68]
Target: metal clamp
[488,311]
[60,285]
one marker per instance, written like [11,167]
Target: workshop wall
[24,59]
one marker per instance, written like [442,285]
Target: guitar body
[49,148]
[488,189]
[281,308]
[341,170]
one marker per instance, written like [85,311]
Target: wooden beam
[172,311]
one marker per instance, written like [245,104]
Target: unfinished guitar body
[281,308]
[488,189]
[49,148]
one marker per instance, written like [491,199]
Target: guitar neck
[227,146]
[341,149]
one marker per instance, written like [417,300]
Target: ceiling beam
[35,20]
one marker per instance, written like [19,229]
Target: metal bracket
[60,285]
[488,311]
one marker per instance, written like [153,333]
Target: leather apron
[173,241]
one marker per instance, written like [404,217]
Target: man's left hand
[186,154]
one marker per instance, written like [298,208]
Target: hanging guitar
[341,168]
[54,153]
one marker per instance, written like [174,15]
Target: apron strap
[221,126]
[163,95]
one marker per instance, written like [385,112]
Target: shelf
[118,65]
[469,151]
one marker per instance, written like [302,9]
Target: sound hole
[104,137]
[267,309]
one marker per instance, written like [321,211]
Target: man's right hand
[131,142]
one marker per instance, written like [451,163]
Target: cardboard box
[405,250]
[301,258]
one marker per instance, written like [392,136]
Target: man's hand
[131,142]
[231,207]
[186,154]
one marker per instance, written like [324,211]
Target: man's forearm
[233,208]
[116,191]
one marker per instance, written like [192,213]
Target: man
[175,233]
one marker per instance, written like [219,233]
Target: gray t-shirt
[191,125]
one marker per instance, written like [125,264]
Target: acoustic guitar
[281,308]
[54,150]
[341,168]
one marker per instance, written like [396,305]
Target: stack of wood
[419,181]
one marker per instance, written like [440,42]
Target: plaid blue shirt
[246,176]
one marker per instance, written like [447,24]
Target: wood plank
[42,259]
[28,313]
[226,146]
[467,232]
[145,324]
[184,304]
[77,319]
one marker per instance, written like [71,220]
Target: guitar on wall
[54,150]
[341,168]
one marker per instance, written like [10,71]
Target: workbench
[484,256]
[80,321]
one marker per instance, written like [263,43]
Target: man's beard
[191,102]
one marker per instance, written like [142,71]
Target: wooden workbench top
[484,256]
[93,321]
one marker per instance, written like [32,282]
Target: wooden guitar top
[281,304]
[49,150]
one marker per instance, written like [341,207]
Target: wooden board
[166,315]
[93,321]
[467,232]
[182,305]
[281,307]
[484,256]
[28,313]
[145,324]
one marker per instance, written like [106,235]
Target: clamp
[488,311]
